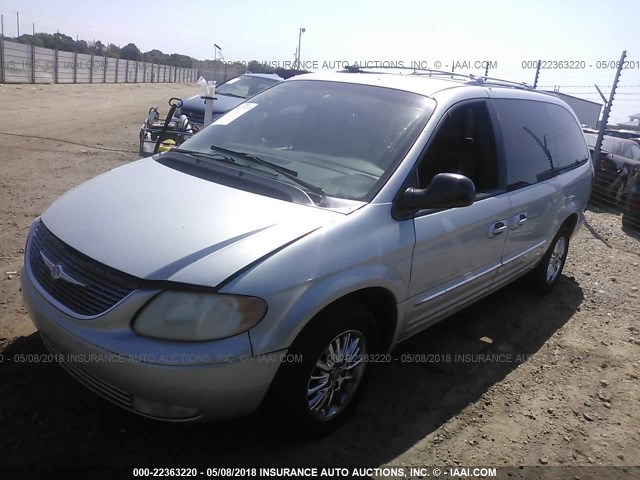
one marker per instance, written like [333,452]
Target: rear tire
[545,275]
[314,396]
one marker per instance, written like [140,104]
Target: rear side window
[526,128]
[566,140]
[540,139]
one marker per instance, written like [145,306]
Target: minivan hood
[154,222]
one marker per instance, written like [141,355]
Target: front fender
[294,309]
[366,249]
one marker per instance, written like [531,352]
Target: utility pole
[2,26]
[607,110]
[535,80]
[300,32]
[18,22]
[33,29]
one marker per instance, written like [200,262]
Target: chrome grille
[103,286]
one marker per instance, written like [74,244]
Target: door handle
[519,220]
[497,228]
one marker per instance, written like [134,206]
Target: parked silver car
[273,256]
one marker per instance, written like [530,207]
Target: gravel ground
[514,380]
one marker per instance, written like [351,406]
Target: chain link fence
[616,184]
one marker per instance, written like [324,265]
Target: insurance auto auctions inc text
[338,64]
[379,472]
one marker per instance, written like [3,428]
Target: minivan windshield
[343,139]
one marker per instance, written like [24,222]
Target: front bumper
[177,381]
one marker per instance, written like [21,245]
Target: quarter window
[565,138]
[539,139]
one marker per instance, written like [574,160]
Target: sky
[511,34]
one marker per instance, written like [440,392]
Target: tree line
[60,41]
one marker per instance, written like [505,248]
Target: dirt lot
[515,380]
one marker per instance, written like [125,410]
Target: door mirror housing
[446,190]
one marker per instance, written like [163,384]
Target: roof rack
[482,80]
[472,79]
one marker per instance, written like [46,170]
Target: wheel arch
[283,398]
[382,305]
[570,223]
[380,302]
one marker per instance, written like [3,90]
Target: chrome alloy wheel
[556,259]
[336,375]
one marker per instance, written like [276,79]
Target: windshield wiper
[290,174]
[230,95]
[208,156]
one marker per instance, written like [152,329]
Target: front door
[458,250]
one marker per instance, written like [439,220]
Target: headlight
[198,316]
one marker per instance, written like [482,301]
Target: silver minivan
[276,254]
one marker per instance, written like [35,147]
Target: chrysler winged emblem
[57,273]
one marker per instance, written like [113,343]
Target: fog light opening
[162,410]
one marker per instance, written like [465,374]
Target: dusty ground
[564,392]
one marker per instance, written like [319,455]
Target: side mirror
[446,190]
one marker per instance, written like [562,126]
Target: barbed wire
[587,86]
[596,93]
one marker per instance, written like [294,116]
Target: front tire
[313,396]
[545,275]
